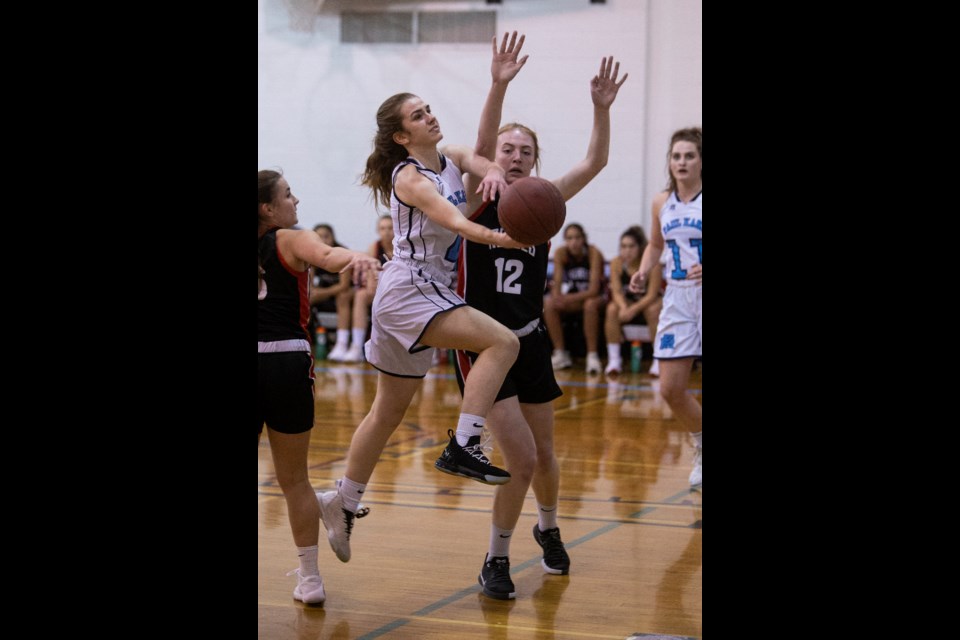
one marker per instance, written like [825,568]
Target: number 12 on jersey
[508,272]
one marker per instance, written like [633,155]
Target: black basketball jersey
[382,254]
[506,284]
[576,271]
[622,280]
[283,311]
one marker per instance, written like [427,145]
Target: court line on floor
[563,383]
[463,593]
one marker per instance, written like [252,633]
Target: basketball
[532,210]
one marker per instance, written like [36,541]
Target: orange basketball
[532,210]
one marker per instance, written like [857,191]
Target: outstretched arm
[603,91]
[503,69]
[421,192]
[302,248]
[492,176]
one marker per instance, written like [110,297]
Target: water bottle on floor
[320,344]
[636,355]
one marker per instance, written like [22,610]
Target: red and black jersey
[506,284]
[283,311]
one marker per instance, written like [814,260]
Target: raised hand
[604,87]
[505,65]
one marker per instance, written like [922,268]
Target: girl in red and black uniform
[284,363]
[508,284]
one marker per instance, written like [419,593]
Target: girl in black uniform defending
[285,364]
[508,284]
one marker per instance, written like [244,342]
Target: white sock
[548,517]
[500,541]
[351,493]
[343,337]
[698,439]
[359,336]
[468,427]
[613,351]
[308,561]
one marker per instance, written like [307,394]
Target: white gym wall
[317,98]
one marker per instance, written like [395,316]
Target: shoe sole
[317,603]
[491,480]
[552,571]
[493,594]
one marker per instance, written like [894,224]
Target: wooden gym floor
[631,525]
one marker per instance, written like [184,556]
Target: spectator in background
[577,288]
[626,306]
[382,250]
[332,292]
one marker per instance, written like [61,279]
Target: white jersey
[682,227]
[419,241]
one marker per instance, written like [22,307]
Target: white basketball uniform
[414,286]
[680,329]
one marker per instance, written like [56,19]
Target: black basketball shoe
[469,462]
[495,579]
[555,558]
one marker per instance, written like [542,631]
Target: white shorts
[680,329]
[407,300]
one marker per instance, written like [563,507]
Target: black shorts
[285,391]
[531,377]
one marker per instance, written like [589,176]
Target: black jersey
[622,280]
[283,311]
[382,255]
[576,271]
[506,284]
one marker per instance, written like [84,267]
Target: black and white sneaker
[555,558]
[495,579]
[469,462]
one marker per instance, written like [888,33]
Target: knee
[544,461]
[385,417]
[672,393]
[290,478]
[652,312]
[523,467]
[511,343]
